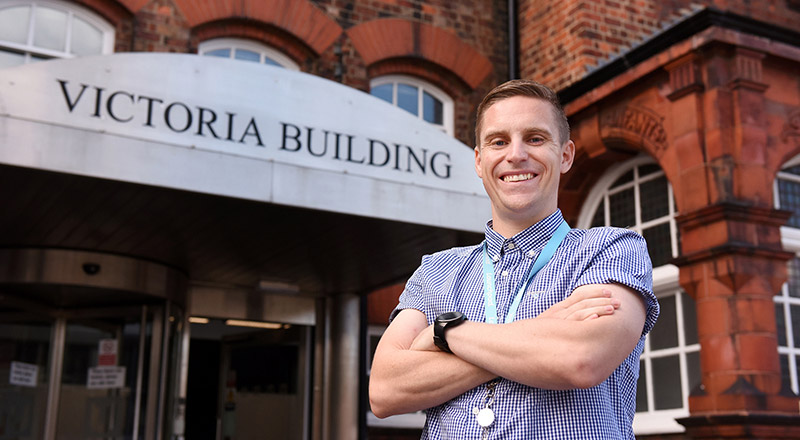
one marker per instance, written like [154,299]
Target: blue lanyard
[489,293]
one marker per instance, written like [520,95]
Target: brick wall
[561,41]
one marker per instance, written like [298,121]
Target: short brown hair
[523,87]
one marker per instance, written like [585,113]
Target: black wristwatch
[442,323]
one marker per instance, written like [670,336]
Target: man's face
[520,159]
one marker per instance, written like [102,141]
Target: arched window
[787,301]
[246,50]
[417,97]
[636,195]
[40,30]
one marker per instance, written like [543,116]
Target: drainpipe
[513,41]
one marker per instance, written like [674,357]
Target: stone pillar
[342,375]
[732,261]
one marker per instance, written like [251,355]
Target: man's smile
[518,177]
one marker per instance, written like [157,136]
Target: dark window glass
[794,277]
[794,311]
[247,55]
[599,218]
[786,379]
[789,196]
[654,197]
[222,53]
[665,332]
[641,389]
[407,96]
[432,109]
[644,170]
[689,319]
[780,324]
[667,387]
[659,244]
[270,62]
[695,375]
[623,179]
[623,212]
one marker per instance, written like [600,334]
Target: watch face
[449,316]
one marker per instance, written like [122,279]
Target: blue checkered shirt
[451,280]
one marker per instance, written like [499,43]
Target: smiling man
[536,332]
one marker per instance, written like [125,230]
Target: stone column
[732,261]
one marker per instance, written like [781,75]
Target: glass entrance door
[103,385]
[106,373]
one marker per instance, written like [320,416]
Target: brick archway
[391,38]
[299,18]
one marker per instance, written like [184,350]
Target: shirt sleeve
[622,257]
[412,296]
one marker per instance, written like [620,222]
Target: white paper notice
[105,377]
[23,374]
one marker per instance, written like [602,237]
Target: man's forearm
[412,380]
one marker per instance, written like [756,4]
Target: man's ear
[478,162]
[567,156]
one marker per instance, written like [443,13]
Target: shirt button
[531,253]
[511,245]
[504,273]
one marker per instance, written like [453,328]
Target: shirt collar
[529,241]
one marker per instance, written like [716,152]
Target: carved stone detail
[632,126]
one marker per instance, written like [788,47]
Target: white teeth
[517,177]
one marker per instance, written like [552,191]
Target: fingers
[584,304]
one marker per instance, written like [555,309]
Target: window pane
[50,29]
[622,209]
[654,197]
[794,311]
[625,178]
[86,39]
[641,389]
[11,59]
[689,319]
[270,62]
[789,197]
[383,91]
[14,24]
[786,379]
[599,218]
[780,324]
[407,98]
[794,277]
[667,382]
[659,244]
[247,55]
[222,53]
[644,170]
[432,109]
[665,332]
[693,365]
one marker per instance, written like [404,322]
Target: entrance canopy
[240,174]
[237,129]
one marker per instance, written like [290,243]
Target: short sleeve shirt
[452,280]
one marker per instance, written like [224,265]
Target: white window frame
[665,284]
[446,100]
[241,43]
[790,238]
[72,10]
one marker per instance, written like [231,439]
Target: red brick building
[686,118]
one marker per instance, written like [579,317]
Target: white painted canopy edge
[240,130]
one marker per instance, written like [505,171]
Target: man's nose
[517,151]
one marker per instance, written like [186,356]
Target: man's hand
[583,305]
[580,306]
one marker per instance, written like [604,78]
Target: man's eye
[498,143]
[536,140]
